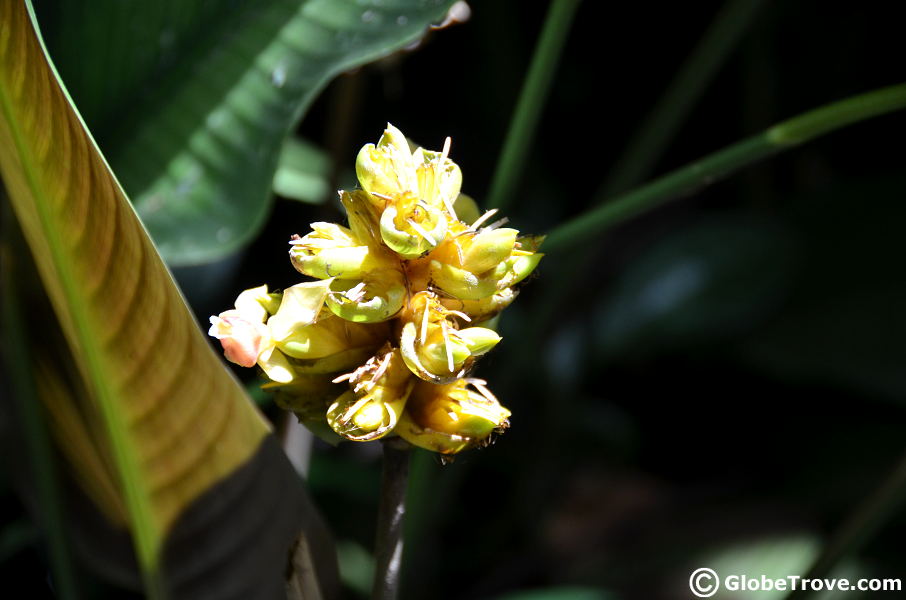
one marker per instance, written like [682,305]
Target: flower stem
[531,100]
[388,547]
[707,170]
[860,527]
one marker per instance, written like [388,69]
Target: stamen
[381,196]
[479,384]
[447,347]
[381,370]
[497,223]
[446,151]
[482,219]
[461,315]
[352,410]
[355,293]
[421,231]
[343,377]
[448,202]
[423,335]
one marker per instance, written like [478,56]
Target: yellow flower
[378,394]
[383,341]
[414,192]
[433,347]
[453,417]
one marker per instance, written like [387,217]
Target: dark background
[725,379]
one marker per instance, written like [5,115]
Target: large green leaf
[159,433]
[195,98]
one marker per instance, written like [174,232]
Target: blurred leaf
[195,140]
[356,567]
[708,280]
[15,537]
[775,558]
[855,339]
[559,593]
[155,421]
[844,325]
[333,474]
[302,172]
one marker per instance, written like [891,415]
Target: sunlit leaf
[160,423]
[303,172]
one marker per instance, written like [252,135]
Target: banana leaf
[156,431]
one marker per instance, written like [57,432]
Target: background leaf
[195,141]
[156,416]
[302,172]
[710,280]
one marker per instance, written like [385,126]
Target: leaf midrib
[144,526]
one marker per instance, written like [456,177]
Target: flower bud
[443,352]
[276,365]
[484,309]
[460,283]
[478,340]
[377,297]
[453,417]
[378,394]
[318,340]
[478,251]
[439,178]
[519,266]
[468,285]
[257,304]
[331,251]
[431,345]
[339,362]
[331,344]
[387,168]
[300,306]
[364,218]
[411,227]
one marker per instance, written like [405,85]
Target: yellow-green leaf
[170,417]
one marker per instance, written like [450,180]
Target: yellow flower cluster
[383,340]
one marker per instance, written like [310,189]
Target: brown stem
[389,540]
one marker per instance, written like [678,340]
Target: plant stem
[531,100]
[388,546]
[723,162]
[647,145]
[860,527]
[697,71]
